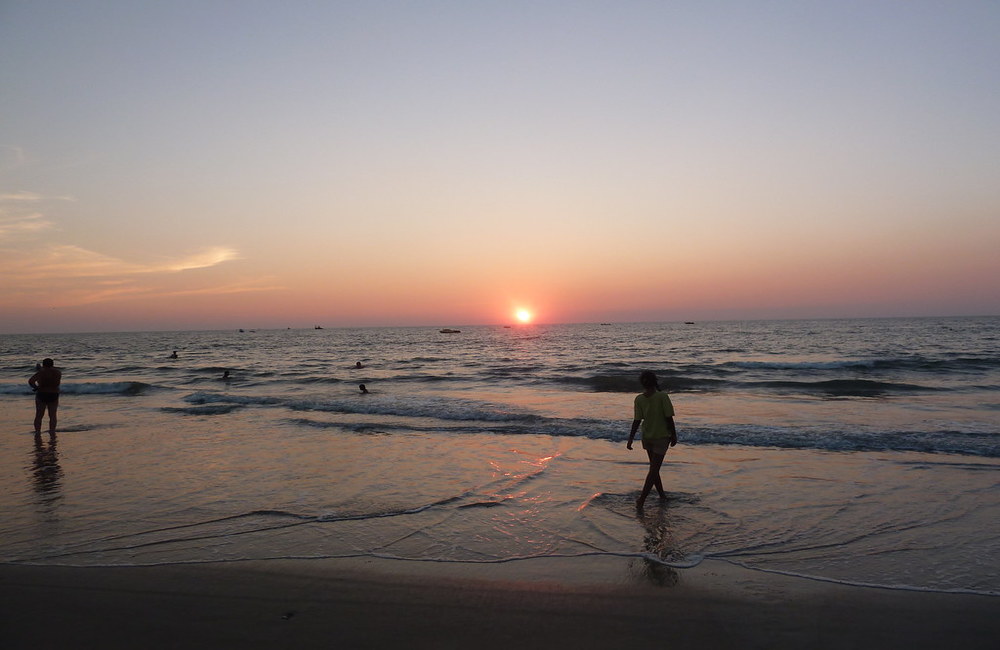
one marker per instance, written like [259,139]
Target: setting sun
[523,315]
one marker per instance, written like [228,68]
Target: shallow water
[495,444]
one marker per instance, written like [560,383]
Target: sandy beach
[374,604]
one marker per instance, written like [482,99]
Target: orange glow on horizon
[523,315]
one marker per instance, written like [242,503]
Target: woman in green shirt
[655,413]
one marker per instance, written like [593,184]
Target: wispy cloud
[21,213]
[68,261]
[21,196]
[11,157]
[38,271]
[11,226]
[256,285]
[204,259]
[72,275]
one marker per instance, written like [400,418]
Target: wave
[110,388]
[630,383]
[401,415]
[85,388]
[914,363]
[968,443]
[441,408]
[861,377]
[213,409]
[688,384]
[844,387]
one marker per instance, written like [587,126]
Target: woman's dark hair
[648,379]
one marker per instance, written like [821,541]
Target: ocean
[861,452]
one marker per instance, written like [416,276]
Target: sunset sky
[207,164]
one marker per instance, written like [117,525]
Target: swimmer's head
[648,380]
[48,363]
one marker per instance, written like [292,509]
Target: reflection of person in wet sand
[46,466]
[654,411]
[659,543]
[45,383]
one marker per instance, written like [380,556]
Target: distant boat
[689,322]
[241,330]
[506,327]
[450,331]
[317,328]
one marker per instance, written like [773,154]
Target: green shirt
[654,411]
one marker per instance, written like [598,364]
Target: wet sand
[365,603]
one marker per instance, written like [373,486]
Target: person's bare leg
[52,417]
[658,483]
[652,477]
[39,412]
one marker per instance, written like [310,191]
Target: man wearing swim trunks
[45,383]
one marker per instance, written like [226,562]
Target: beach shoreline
[369,602]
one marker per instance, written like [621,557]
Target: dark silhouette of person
[174,355]
[45,383]
[358,365]
[361,387]
[225,376]
[654,411]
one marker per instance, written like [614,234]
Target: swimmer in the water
[361,387]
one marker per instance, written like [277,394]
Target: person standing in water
[45,383]
[654,411]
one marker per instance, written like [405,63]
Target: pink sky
[344,165]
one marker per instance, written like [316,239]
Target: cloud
[42,271]
[11,226]
[63,262]
[64,275]
[21,196]
[255,285]
[31,197]
[204,259]
[11,157]
[19,213]
[68,261]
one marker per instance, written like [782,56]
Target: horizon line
[511,325]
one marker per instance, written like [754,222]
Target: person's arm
[672,430]
[33,381]
[631,434]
